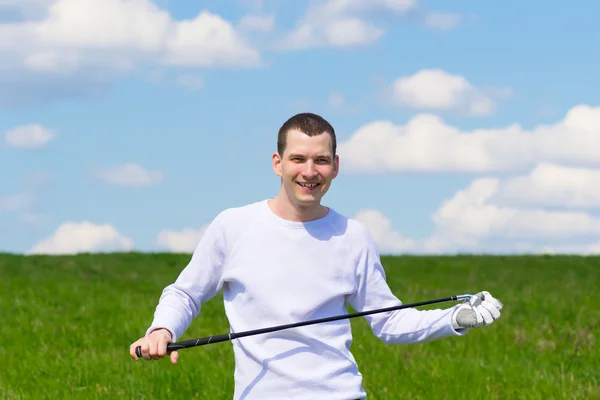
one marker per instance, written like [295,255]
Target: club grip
[138,350]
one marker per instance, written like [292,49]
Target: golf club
[472,299]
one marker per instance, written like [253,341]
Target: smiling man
[307,163]
[291,259]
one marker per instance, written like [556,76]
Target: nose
[310,171]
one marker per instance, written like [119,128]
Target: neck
[283,208]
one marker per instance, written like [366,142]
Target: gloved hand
[482,313]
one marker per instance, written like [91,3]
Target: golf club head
[473,299]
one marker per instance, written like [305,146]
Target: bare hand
[154,346]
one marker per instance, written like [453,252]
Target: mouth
[308,186]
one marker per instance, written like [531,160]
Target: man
[291,259]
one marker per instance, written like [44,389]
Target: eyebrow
[326,156]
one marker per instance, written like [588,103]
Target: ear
[336,166]
[276,162]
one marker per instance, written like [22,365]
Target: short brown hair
[307,123]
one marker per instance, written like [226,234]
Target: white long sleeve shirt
[272,272]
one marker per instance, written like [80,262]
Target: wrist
[168,331]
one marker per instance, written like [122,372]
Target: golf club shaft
[230,336]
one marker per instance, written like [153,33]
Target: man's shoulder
[357,236]
[242,213]
[353,227]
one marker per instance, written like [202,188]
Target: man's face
[307,167]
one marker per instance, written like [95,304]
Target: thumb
[174,357]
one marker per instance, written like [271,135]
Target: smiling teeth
[308,184]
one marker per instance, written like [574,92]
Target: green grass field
[67,323]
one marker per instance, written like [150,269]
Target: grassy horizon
[68,321]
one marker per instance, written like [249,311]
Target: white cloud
[342,32]
[426,143]
[342,23]
[546,206]
[442,21]
[551,185]
[470,221]
[119,35]
[347,32]
[340,7]
[470,217]
[260,23]
[29,136]
[436,89]
[208,41]
[183,241]
[109,24]
[380,227]
[129,175]
[80,237]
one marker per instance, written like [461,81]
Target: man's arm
[181,301]
[400,326]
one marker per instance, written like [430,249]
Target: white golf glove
[482,313]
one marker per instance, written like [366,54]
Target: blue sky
[469,126]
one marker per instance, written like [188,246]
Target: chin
[308,200]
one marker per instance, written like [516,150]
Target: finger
[162,347]
[491,308]
[150,349]
[174,357]
[478,317]
[145,347]
[132,352]
[486,315]
[497,303]
[491,299]
[154,350]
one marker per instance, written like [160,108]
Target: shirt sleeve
[403,326]
[181,301]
